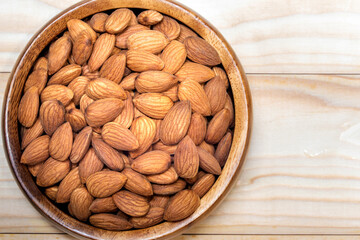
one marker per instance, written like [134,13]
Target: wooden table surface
[301,178]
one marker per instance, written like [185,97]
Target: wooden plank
[286,37]
[301,174]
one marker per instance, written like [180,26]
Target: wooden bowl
[10,127]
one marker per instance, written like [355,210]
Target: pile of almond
[125,119]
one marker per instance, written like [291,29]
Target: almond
[121,39]
[70,106]
[167,177]
[137,183]
[215,90]
[52,172]
[176,123]
[103,88]
[130,203]
[61,142]
[128,83]
[89,165]
[76,119]
[155,81]
[147,40]
[97,22]
[223,149]
[203,185]
[41,63]
[182,205]
[137,113]
[80,202]
[200,51]
[174,56]
[140,61]
[170,149]
[169,189]
[229,106]
[52,115]
[59,51]
[154,105]
[208,162]
[87,73]
[37,78]
[81,144]
[35,169]
[76,26]
[51,192]
[159,201]
[185,32]
[78,87]
[168,26]
[114,67]
[36,130]
[118,20]
[126,117]
[68,185]
[192,91]
[57,92]
[101,51]
[110,222]
[119,137]
[109,156]
[85,101]
[219,72]
[186,158]
[172,93]
[37,151]
[152,162]
[144,129]
[157,134]
[149,17]
[153,217]
[105,183]
[29,107]
[194,71]
[197,128]
[192,180]
[102,111]
[103,205]
[133,20]
[82,48]
[65,75]
[208,147]
[217,126]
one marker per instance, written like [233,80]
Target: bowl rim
[242,101]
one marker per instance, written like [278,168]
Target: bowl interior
[242,104]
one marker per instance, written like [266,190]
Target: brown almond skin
[119,137]
[90,74]
[102,111]
[35,169]
[85,101]
[218,126]
[121,39]
[110,222]
[219,72]
[186,158]
[37,151]
[194,71]
[192,91]
[57,92]
[78,87]
[137,183]
[51,192]
[97,22]
[185,32]
[175,124]
[103,205]
[65,75]
[101,51]
[114,67]
[223,149]
[174,56]
[76,119]
[82,48]
[52,172]
[126,117]
[41,63]
[140,61]
[192,180]
[103,88]
[200,51]
[105,183]
[61,142]
[144,129]
[157,135]
[38,78]
[172,93]
[152,162]
[147,40]
[68,185]
[70,106]
[167,177]
[149,17]
[229,106]
[29,134]
[59,52]
[168,26]
[118,20]
[159,201]
[76,26]
[170,149]
[208,147]
[215,90]
[155,81]
[130,203]
[109,156]
[203,185]
[128,83]
[154,105]
[208,162]
[89,165]
[29,107]
[153,217]
[169,189]
[81,144]
[197,128]
[181,206]
[80,202]
[52,115]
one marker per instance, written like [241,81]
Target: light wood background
[301,178]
